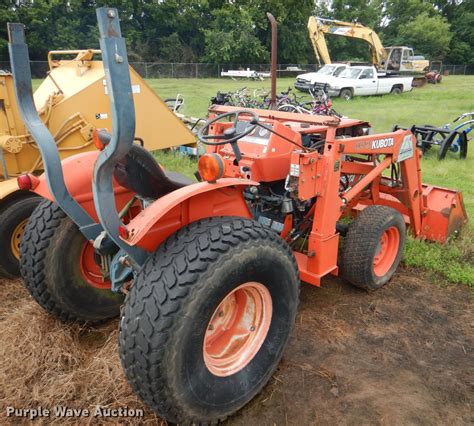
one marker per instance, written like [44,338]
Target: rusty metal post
[274,25]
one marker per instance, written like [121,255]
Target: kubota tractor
[72,101]
[212,269]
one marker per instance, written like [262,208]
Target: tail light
[123,232]
[27,182]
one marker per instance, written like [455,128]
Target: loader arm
[318,27]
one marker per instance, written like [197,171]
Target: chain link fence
[203,70]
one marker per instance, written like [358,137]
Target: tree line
[238,32]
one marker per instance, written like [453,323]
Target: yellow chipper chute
[72,102]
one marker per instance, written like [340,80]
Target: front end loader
[72,102]
[211,270]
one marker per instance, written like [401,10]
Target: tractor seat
[139,172]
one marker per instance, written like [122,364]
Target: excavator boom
[318,27]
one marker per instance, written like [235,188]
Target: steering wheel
[230,135]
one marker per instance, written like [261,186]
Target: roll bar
[20,63]
[114,56]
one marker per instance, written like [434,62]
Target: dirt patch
[400,355]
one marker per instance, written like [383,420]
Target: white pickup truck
[305,81]
[365,81]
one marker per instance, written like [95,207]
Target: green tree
[172,49]
[7,14]
[232,38]
[461,18]
[430,35]
[292,17]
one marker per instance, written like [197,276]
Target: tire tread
[364,232]
[178,263]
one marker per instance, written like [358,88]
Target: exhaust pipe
[274,25]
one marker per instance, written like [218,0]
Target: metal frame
[114,56]
[19,58]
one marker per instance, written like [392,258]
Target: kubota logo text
[382,143]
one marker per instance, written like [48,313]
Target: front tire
[346,94]
[177,342]
[373,247]
[58,267]
[13,220]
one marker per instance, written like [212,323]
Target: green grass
[432,104]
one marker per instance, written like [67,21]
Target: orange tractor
[212,269]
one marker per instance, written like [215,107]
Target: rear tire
[172,307]
[13,221]
[53,268]
[396,91]
[373,247]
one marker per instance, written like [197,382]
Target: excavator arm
[318,27]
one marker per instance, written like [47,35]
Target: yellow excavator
[72,101]
[394,59]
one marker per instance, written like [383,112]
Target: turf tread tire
[47,220]
[180,263]
[360,245]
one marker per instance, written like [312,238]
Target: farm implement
[72,101]
[450,138]
[212,269]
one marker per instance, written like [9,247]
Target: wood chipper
[212,269]
[72,101]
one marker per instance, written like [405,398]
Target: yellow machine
[396,58]
[72,101]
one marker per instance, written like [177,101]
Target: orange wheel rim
[237,329]
[91,271]
[16,237]
[386,251]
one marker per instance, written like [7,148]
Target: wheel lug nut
[252,328]
[211,327]
[221,313]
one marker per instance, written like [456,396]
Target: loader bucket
[443,213]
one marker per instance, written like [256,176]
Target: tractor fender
[179,208]
[78,171]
